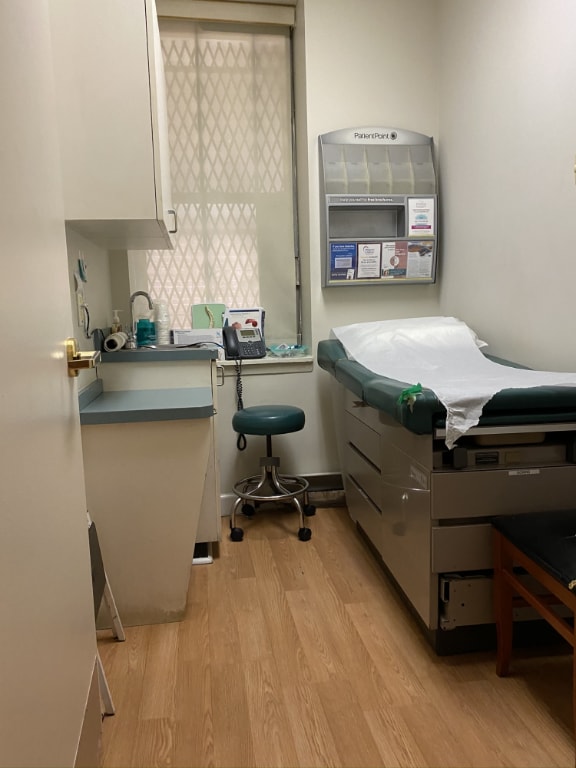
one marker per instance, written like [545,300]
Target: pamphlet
[420,216]
[368,260]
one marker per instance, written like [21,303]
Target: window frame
[170,11]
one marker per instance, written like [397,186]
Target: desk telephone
[243,343]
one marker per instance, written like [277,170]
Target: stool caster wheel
[309,510]
[248,510]
[304,534]
[237,534]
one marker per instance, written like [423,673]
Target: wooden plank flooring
[301,654]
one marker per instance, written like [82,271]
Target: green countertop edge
[132,406]
[89,393]
[165,355]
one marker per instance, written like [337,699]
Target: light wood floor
[300,654]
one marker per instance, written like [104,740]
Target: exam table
[425,508]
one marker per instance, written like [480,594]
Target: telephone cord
[241,441]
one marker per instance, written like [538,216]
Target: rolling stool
[270,485]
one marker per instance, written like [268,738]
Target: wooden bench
[544,545]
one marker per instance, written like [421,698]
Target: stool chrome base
[271,486]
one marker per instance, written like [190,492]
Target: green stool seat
[268,420]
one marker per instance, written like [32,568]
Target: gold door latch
[78,360]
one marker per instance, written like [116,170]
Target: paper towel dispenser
[379,205]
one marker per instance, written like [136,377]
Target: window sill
[269,365]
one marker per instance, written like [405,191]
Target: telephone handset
[243,343]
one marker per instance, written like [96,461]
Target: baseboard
[331,481]
[327,498]
[326,490]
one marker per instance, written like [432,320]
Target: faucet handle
[130,341]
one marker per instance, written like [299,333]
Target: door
[47,632]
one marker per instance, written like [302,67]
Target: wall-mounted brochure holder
[379,207]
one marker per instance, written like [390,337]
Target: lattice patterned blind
[229,114]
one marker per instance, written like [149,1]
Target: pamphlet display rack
[379,206]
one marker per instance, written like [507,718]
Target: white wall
[97,293]
[508,119]
[492,82]
[367,62]
[360,62]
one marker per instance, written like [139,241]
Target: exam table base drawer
[364,438]
[462,548]
[357,408]
[363,512]
[366,476]
[501,492]
[468,600]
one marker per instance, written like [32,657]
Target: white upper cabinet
[110,91]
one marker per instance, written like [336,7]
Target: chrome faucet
[132,298]
[146,296]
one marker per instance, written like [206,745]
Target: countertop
[139,405]
[168,353]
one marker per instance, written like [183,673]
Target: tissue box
[209,336]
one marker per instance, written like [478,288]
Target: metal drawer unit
[362,478]
[429,519]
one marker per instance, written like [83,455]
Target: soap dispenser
[116,326]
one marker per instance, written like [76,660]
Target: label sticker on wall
[420,216]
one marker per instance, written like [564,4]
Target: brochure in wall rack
[395,260]
[408,260]
[421,216]
[388,261]
[342,261]
[368,261]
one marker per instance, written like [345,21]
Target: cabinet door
[165,213]
[107,98]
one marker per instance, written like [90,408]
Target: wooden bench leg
[503,594]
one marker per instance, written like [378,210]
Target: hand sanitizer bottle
[116,326]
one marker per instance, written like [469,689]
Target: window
[229,99]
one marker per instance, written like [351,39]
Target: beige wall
[367,62]
[492,82]
[97,292]
[507,121]
[352,68]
